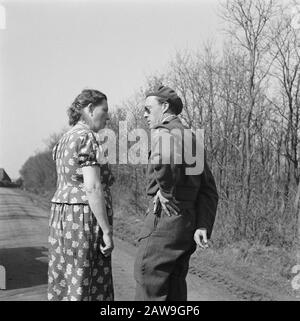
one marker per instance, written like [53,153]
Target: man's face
[153,111]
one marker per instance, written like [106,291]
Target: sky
[51,50]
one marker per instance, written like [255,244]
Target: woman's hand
[108,244]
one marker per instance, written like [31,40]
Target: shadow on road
[25,266]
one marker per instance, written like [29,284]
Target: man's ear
[166,106]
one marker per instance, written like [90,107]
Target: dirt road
[23,253]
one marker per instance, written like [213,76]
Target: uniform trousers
[165,246]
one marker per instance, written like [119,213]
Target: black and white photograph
[149,151]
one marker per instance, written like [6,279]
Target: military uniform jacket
[165,174]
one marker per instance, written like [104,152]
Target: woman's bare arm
[95,195]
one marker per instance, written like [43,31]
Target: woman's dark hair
[86,97]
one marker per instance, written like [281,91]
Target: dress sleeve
[54,150]
[87,150]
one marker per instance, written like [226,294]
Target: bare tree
[248,24]
[287,72]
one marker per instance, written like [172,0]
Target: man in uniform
[182,209]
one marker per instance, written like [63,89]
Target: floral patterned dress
[77,270]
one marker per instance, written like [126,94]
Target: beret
[169,95]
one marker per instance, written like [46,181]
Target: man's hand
[200,237]
[168,206]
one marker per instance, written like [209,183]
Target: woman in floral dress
[80,238]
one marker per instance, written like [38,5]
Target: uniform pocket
[149,226]
[176,226]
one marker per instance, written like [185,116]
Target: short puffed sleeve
[88,148]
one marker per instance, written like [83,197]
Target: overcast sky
[51,50]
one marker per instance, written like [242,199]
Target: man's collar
[168,118]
